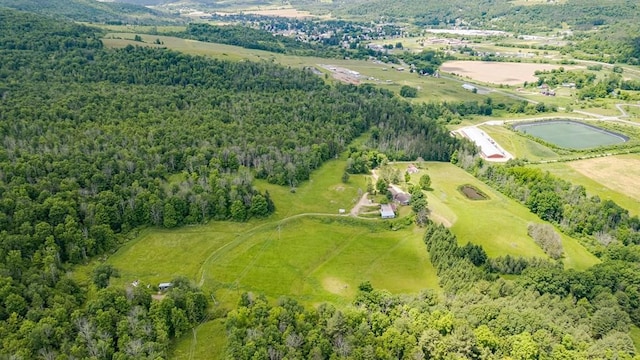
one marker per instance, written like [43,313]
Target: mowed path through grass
[499,224]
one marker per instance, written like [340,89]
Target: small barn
[386,211]
[399,196]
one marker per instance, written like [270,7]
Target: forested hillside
[98,142]
[92,11]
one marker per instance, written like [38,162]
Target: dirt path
[621,109]
[364,201]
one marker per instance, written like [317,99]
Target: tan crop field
[619,173]
[496,72]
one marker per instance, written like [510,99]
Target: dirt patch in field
[497,72]
[335,285]
[618,173]
[472,193]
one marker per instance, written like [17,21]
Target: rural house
[399,197]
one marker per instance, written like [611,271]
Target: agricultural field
[321,259]
[615,178]
[496,72]
[476,221]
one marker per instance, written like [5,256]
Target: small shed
[386,211]
[164,286]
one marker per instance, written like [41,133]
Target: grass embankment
[519,146]
[498,224]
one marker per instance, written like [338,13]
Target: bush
[408,92]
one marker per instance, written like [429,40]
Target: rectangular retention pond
[570,134]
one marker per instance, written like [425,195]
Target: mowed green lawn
[499,224]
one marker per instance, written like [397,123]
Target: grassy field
[207,341]
[321,259]
[498,224]
[596,176]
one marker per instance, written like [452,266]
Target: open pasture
[496,72]
[279,255]
[499,224]
[570,134]
[322,259]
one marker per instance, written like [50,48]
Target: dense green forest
[99,142]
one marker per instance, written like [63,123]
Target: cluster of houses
[388,211]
